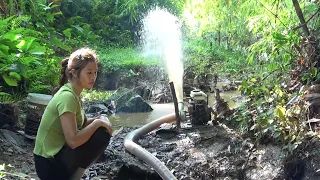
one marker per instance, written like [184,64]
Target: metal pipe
[175,102]
[132,147]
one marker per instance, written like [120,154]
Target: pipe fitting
[182,113]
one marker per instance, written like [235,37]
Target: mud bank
[204,152]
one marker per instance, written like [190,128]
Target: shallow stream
[159,110]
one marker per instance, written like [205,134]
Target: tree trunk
[3,8]
[219,37]
[300,16]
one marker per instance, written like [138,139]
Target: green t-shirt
[50,138]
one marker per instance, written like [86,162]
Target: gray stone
[134,104]
[96,108]
[13,137]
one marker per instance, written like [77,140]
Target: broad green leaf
[264,89]
[251,58]
[314,72]
[67,32]
[11,44]
[305,77]
[278,91]
[318,76]
[12,36]
[15,75]
[38,50]
[280,112]
[253,80]
[21,44]
[279,36]
[28,44]
[78,28]
[50,17]
[10,81]
[4,49]
[59,44]
[22,69]
[58,13]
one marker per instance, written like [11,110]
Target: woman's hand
[104,122]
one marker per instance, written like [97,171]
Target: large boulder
[144,92]
[130,102]
[135,104]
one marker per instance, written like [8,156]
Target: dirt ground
[203,152]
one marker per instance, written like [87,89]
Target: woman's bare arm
[74,138]
[87,121]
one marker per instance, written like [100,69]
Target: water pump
[198,108]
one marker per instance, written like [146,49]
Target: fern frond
[12,23]
[6,98]
[18,20]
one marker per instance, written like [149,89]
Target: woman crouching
[67,142]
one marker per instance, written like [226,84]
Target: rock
[93,108]
[144,143]
[12,137]
[8,153]
[7,115]
[134,104]
[167,147]
[96,108]
[92,174]
[10,150]
[144,92]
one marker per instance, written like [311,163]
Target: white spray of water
[162,37]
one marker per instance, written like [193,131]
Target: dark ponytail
[63,75]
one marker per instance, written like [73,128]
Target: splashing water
[162,37]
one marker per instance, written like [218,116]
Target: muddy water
[136,119]
[159,110]
[227,96]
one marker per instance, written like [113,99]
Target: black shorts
[68,160]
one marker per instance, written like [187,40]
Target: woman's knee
[101,136]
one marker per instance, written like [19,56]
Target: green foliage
[11,98]
[258,42]
[116,59]
[116,22]
[19,50]
[213,58]
[93,95]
